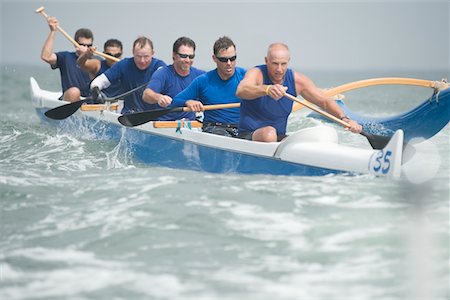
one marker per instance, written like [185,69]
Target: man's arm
[47,53]
[153,97]
[308,90]
[101,82]
[88,64]
[252,87]
[153,93]
[189,93]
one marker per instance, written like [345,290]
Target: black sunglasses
[226,59]
[117,55]
[182,55]
[87,45]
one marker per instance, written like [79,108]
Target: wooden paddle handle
[215,106]
[312,107]
[175,124]
[41,11]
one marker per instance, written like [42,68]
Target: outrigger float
[181,144]
[423,121]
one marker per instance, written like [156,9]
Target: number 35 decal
[380,162]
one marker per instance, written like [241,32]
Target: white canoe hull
[310,151]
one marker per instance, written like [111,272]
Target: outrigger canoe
[181,144]
[422,121]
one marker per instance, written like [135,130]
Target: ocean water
[82,220]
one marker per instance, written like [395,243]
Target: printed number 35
[382,162]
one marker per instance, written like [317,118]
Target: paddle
[139,118]
[377,142]
[66,110]
[380,81]
[41,11]
[143,117]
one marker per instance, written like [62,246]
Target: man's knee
[72,94]
[265,134]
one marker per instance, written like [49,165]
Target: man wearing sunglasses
[168,81]
[216,87]
[96,65]
[131,72]
[264,107]
[74,81]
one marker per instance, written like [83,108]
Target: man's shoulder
[206,77]
[197,71]
[164,71]
[126,64]
[158,62]
[66,55]
[240,70]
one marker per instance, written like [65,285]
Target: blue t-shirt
[71,74]
[210,89]
[115,88]
[266,111]
[131,77]
[167,81]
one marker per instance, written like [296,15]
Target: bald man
[264,107]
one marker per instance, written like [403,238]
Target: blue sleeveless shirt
[266,111]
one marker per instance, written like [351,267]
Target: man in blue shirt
[168,81]
[74,81]
[264,107]
[96,65]
[132,72]
[216,87]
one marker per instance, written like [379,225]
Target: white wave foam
[79,273]
[255,222]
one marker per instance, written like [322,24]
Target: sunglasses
[117,55]
[226,59]
[182,55]
[87,45]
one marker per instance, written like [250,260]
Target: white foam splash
[424,164]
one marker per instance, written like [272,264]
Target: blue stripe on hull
[173,153]
[179,154]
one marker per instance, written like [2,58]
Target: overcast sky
[322,35]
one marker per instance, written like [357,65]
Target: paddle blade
[64,111]
[377,142]
[139,118]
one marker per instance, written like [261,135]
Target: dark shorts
[230,130]
[247,135]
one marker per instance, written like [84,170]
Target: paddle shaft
[312,107]
[41,11]
[376,141]
[139,118]
[214,106]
